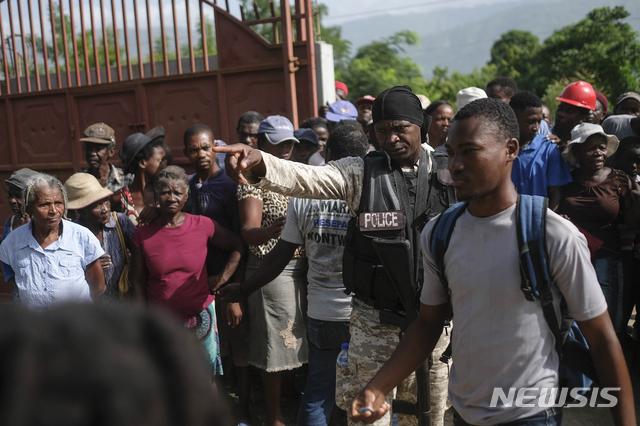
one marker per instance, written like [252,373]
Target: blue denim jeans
[325,339]
[549,417]
[609,272]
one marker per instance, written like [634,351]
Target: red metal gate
[51,91]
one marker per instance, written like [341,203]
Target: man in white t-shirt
[320,226]
[502,340]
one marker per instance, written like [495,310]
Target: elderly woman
[113,230]
[54,261]
[169,261]
[597,199]
[276,311]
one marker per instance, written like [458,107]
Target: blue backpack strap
[531,222]
[440,237]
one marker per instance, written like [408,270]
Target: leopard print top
[274,206]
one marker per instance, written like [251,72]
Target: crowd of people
[285,244]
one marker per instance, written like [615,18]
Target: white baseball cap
[468,95]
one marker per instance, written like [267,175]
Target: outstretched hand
[368,406]
[241,158]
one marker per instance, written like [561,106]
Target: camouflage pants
[370,347]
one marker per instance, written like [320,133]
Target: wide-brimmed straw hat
[581,133]
[83,190]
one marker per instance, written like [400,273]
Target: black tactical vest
[393,205]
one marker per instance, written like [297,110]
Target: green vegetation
[600,49]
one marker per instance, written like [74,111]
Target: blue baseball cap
[342,110]
[307,135]
[277,129]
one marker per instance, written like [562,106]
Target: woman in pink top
[169,268]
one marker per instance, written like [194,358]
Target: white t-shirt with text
[500,339]
[321,226]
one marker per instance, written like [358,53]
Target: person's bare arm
[610,366]
[94,275]
[234,313]
[555,193]
[341,179]
[230,242]
[251,228]
[412,351]
[270,267]
[139,274]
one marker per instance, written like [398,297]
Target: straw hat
[581,133]
[83,190]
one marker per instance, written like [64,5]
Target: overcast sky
[341,10]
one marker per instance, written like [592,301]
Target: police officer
[393,193]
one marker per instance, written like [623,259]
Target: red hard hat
[580,94]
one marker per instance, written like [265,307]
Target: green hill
[461,38]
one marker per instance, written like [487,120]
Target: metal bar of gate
[191,54]
[64,43]
[126,39]
[105,42]
[96,59]
[140,61]
[151,53]
[203,27]
[16,66]
[75,43]
[287,63]
[164,40]
[55,43]
[175,31]
[34,48]
[7,77]
[25,60]
[44,46]
[115,39]
[87,66]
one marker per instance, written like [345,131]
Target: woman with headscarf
[54,260]
[596,201]
[169,261]
[113,230]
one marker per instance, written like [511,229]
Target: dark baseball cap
[307,135]
[99,133]
[277,129]
[627,95]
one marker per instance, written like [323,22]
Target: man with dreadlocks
[392,193]
[54,260]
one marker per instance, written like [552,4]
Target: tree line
[600,49]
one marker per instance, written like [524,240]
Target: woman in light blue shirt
[54,261]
